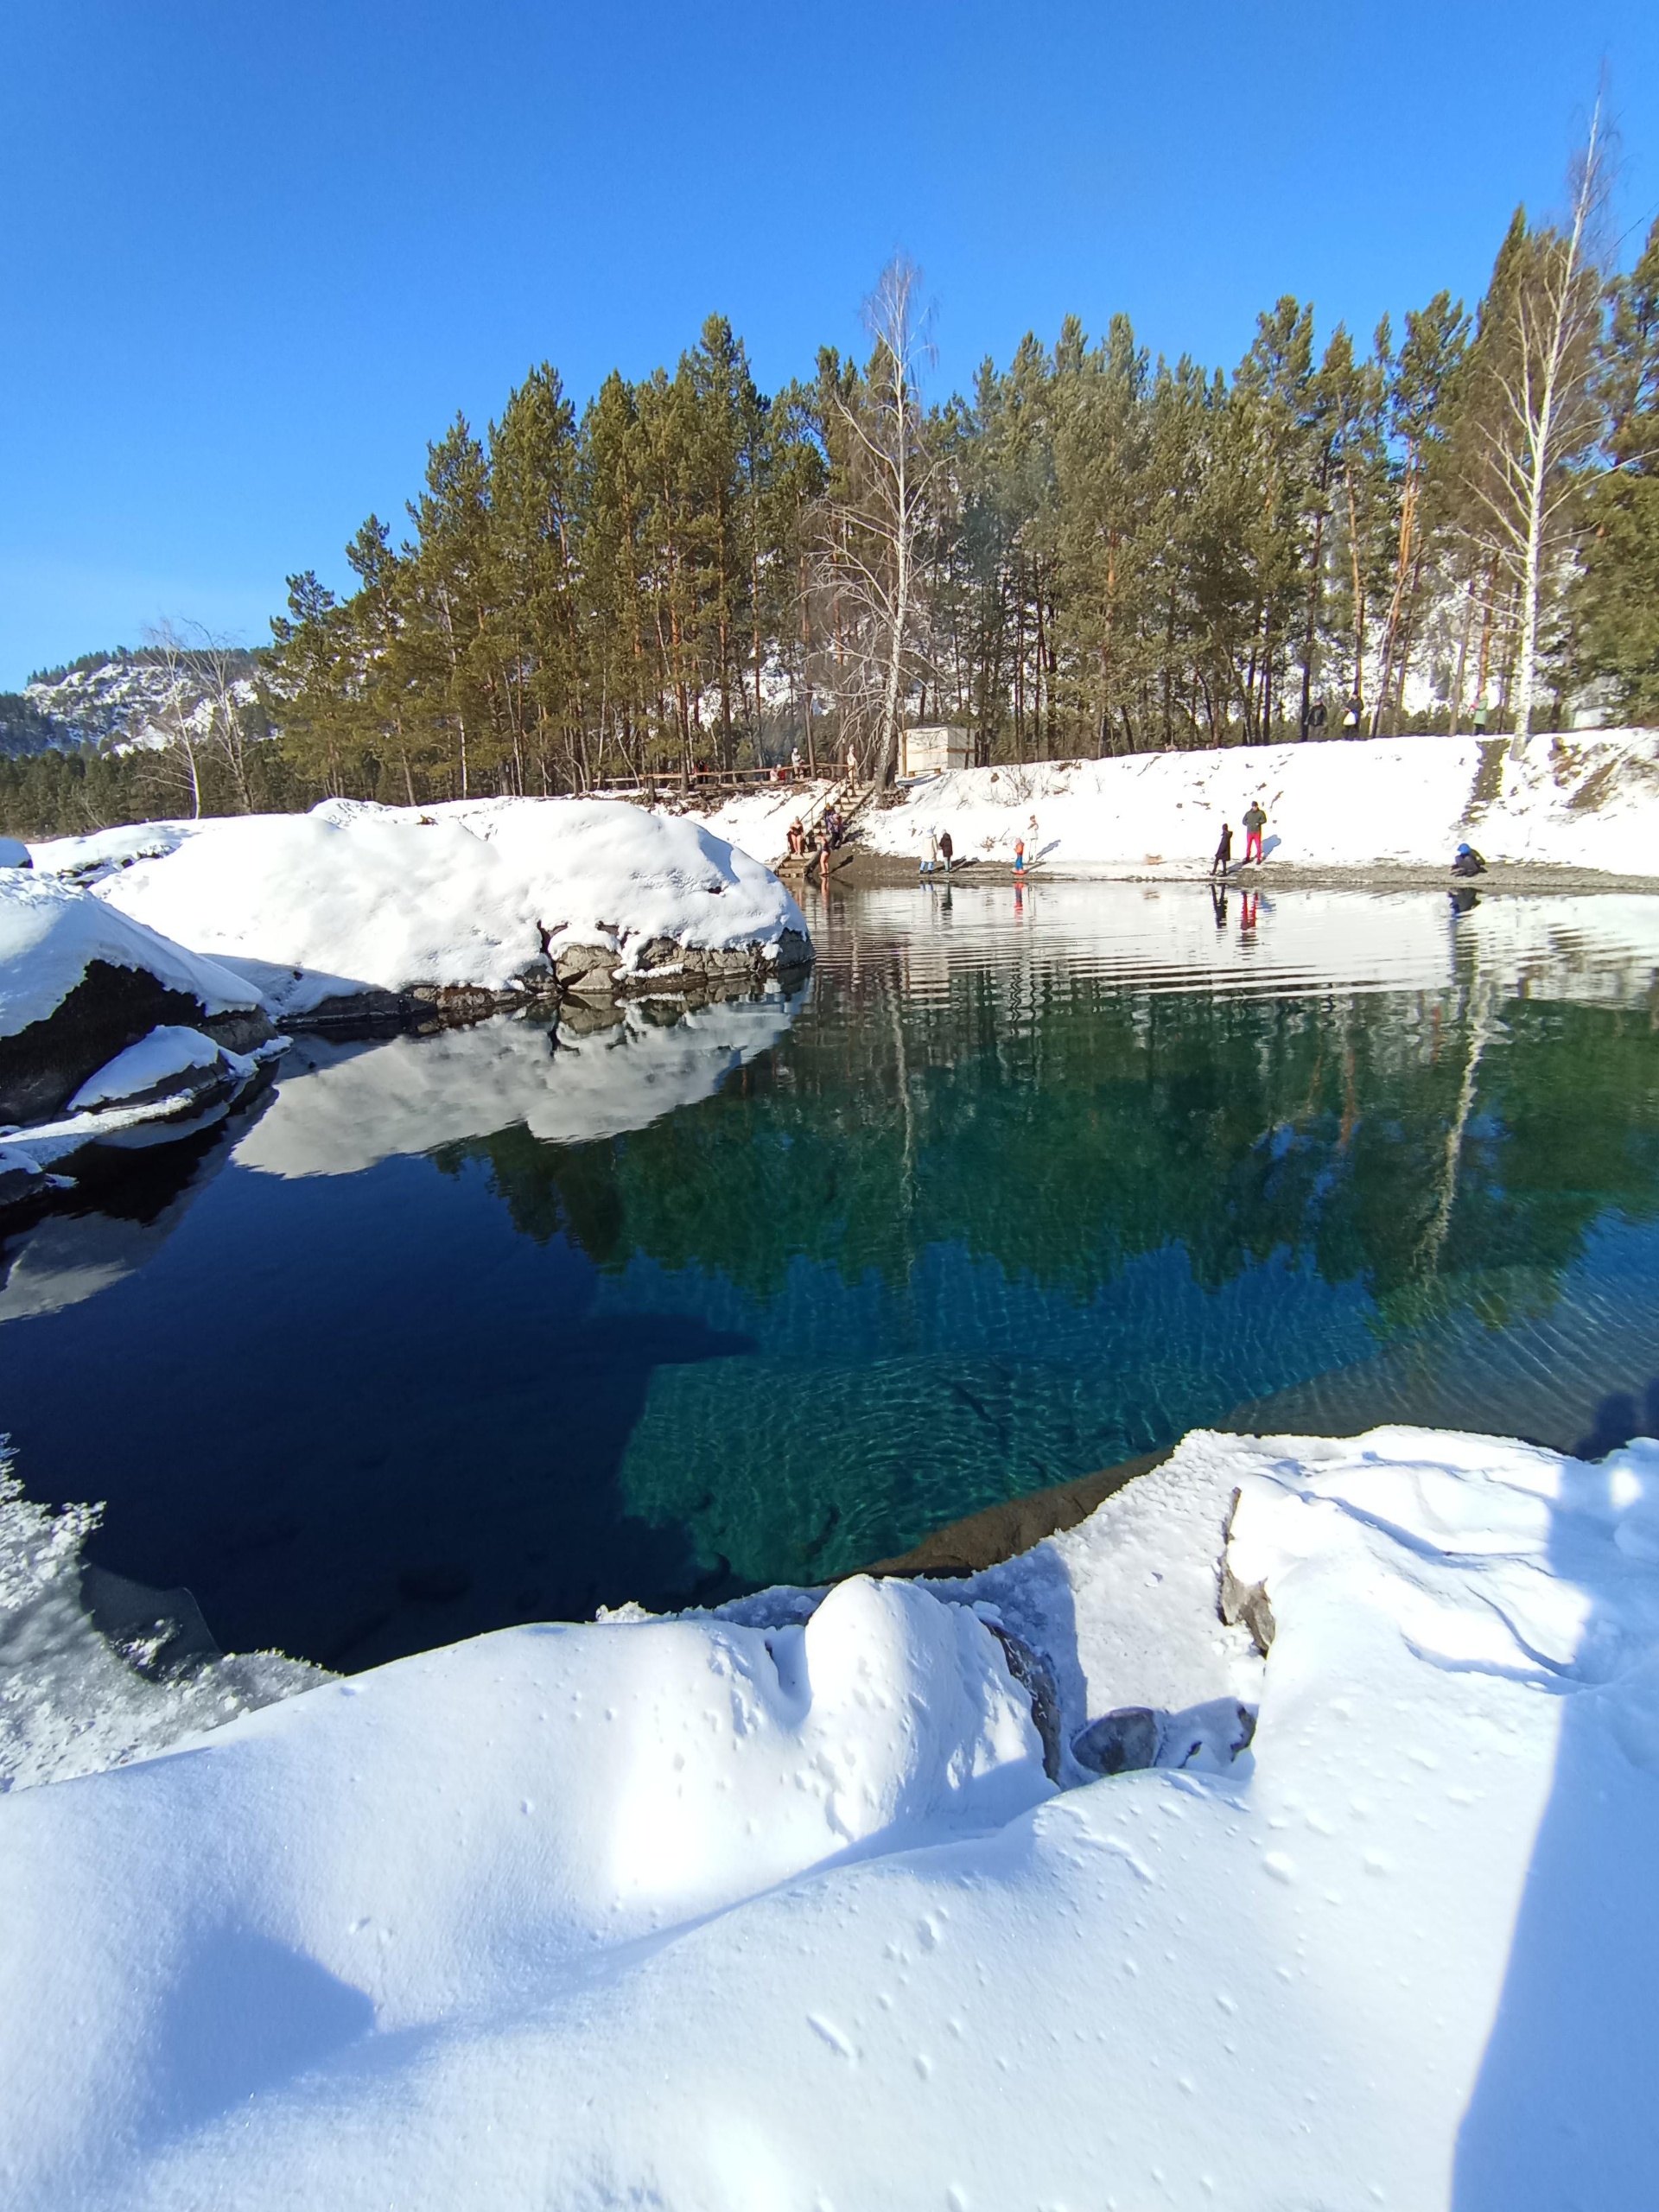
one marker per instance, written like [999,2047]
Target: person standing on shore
[1033,836]
[930,858]
[945,850]
[1223,859]
[1254,823]
[1019,860]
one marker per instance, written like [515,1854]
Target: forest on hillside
[1096,550]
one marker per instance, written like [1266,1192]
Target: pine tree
[1615,601]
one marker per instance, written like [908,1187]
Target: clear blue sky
[256,254]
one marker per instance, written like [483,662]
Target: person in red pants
[1254,823]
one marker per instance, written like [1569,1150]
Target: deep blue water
[1008,1194]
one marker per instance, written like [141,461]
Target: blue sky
[256,255]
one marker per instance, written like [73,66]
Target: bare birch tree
[876,529]
[1533,412]
[180,698]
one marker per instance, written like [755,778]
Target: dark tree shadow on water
[1564,2111]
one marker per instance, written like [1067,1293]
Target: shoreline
[867,870]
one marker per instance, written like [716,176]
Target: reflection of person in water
[1219,900]
[1018,899]
[1247,914]
[1464,900]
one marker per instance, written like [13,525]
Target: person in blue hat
[1468,862]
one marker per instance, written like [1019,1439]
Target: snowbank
[485,896]
[341,1108]
[51,932]
[748,1911]
[1584,799]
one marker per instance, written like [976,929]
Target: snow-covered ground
[778,1909]
[308,907]
[1584,799]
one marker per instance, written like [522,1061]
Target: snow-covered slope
[350,896]
[122,701]
[1584,799]
[717,1912]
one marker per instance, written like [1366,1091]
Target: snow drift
[778,1909]
[485,896]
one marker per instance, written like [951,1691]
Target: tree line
[1096,550]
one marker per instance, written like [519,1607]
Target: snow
[755,1909]
[14,853]
[1582,799]
[51,932]
[342,1108]
[352,896]
[168,1051]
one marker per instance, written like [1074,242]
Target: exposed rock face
[1036,1677]
[1244,1602]
[42,1066]
[20,1177]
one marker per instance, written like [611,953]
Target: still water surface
[456,1332]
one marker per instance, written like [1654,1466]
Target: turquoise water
[469,1330]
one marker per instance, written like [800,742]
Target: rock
[1036,1677]
[43,1066]
[1244,1602]
[14,853]
[583,967]
[659,953]
[1119,1742]
[179,1065]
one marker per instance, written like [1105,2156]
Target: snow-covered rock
[487,897]
[79,981]
[421,1937]
[172,1063]
[14,853]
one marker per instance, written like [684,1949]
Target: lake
[510,1322]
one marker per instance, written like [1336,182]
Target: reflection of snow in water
[1254,938]
[341,1108]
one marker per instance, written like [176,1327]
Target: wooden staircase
[852,797]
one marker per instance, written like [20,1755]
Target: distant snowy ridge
[121,703]
[1587,798]
[421,1937]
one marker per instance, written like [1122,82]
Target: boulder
[173,1065]
[14,853]
[1119,1742]
[42,1066]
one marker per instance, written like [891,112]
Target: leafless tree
[181,699]
[1533,412]
[224,700]
[875,529]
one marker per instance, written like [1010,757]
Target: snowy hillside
[1584,799]
[121,700]
[780,1907]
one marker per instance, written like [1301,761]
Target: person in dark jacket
[1467,862]
[1223,859]
[945,850]
[1255,821]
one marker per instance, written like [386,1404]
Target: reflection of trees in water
[1441,1148]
